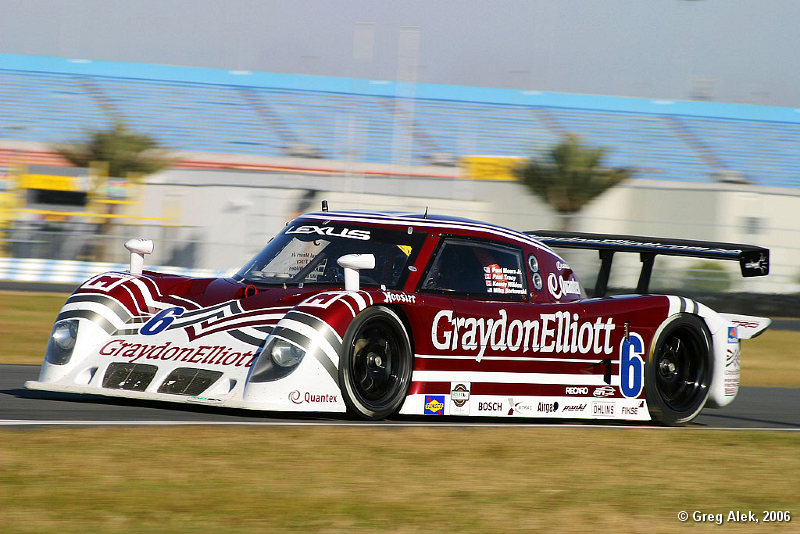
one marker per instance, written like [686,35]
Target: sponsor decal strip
[512,378]
[516,390]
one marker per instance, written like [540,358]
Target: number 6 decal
[160,321]
[631,365]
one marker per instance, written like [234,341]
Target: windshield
[307,254]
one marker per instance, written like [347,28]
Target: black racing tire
[678,370]
[375,365]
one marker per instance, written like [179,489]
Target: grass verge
[389,479]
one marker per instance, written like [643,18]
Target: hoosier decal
[559,332]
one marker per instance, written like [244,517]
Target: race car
[377,314]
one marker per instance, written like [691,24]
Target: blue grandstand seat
[276,115]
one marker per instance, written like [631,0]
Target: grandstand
[48,100]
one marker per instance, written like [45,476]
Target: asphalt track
[754,408]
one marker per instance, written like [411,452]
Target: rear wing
[753,261]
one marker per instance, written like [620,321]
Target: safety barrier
[75,272]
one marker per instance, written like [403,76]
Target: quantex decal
[311,398]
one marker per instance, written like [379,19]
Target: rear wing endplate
[753,261]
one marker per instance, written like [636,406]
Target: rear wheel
[678,370]
[375,367]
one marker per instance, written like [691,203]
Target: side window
[475,268]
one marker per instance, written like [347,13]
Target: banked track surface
[755,407]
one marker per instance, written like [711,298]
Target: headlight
[276,360]
[285,354]
[62,342]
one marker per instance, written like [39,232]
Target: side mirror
[138,248]
[352,263]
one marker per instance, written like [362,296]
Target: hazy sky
[730,50]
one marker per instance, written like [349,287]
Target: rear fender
[726,332]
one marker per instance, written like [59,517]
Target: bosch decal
[490,406]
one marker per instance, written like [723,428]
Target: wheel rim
[681,375]
[376,363]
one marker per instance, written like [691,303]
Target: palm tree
[569,176]
[125,151]
[121,153]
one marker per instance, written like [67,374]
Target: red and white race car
[377,314]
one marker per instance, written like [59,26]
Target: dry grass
[383,479]
[25,323]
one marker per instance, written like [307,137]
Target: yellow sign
[53,182]
[490,167]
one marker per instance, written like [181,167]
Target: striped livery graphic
[386,314]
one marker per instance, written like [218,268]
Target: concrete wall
[224,218]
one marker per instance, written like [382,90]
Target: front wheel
[678,370]
[376,363]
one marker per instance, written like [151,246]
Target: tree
[569,176]
[124,150]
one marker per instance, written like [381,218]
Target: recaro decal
[362,235]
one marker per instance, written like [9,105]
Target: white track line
[532,426]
